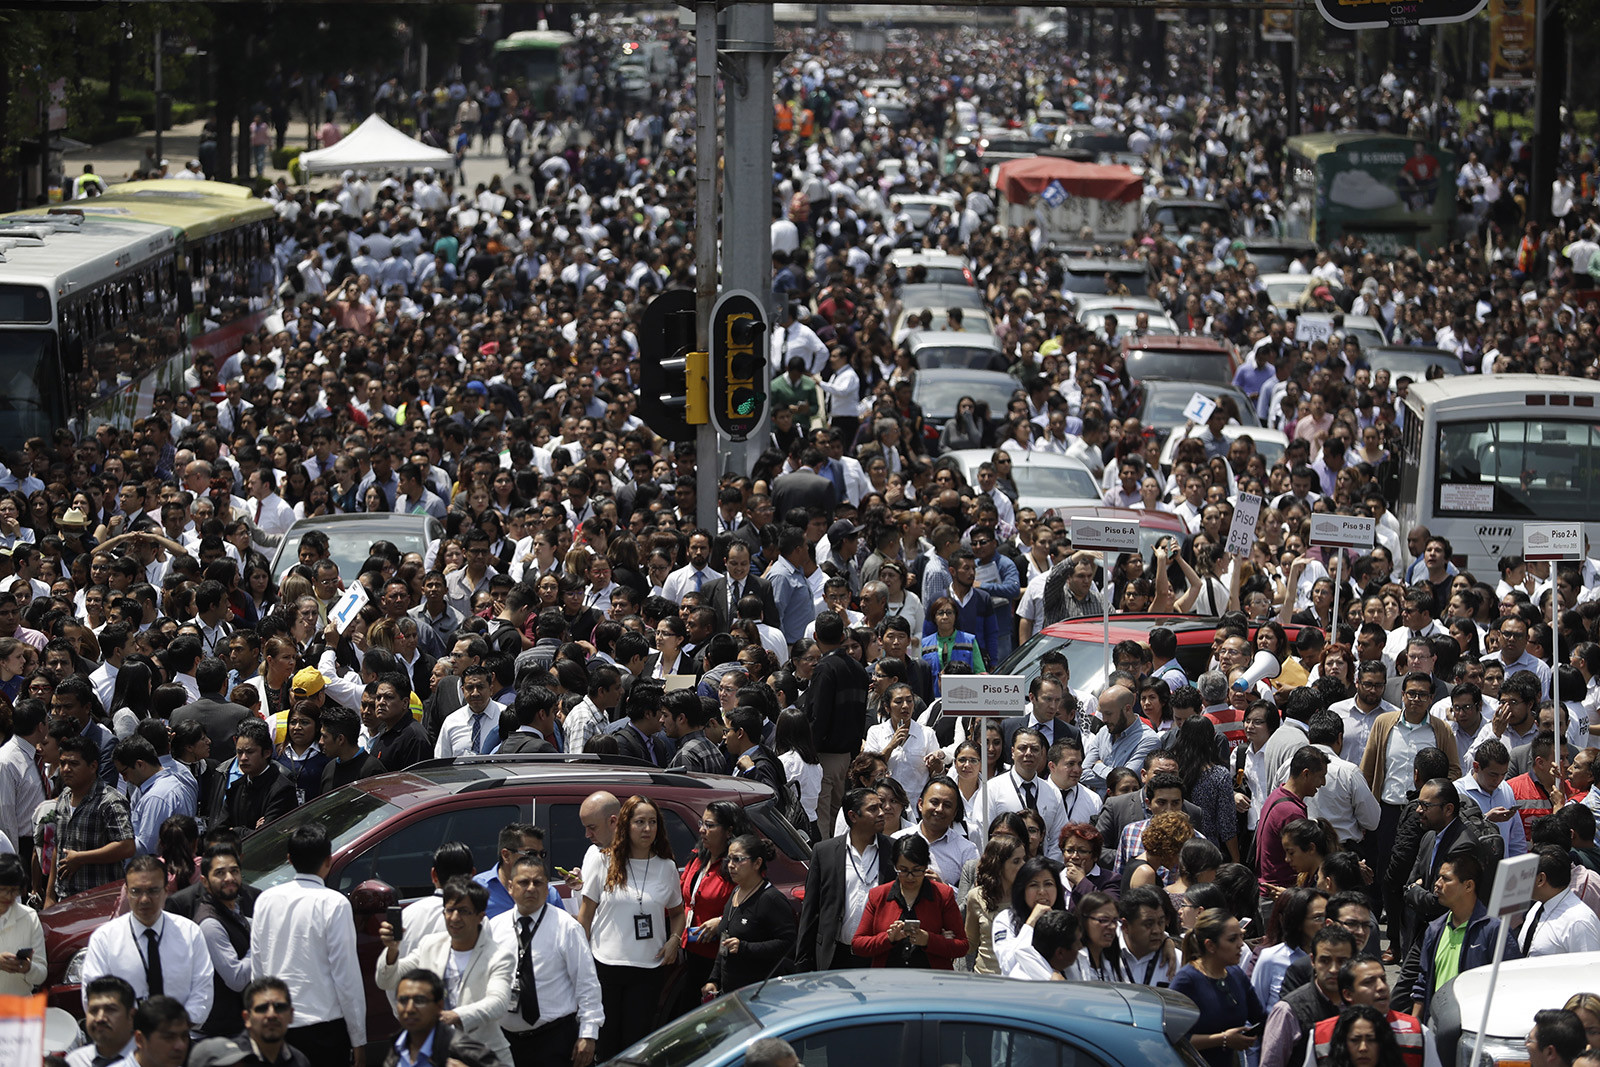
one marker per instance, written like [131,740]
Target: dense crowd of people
[1274,848]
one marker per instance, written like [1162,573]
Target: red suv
[384,831]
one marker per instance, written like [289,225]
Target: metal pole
[1555,659]
[159,123]
[706,155]
[1488,999]
[1338,587]
[747,180]
[1105,617]
[983,781]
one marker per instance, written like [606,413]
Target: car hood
[67,926]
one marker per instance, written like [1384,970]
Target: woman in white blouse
[22,960]
[633,913]
[910,747]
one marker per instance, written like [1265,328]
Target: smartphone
[392,917]
[1256,1030]
[912,924]
[24,955]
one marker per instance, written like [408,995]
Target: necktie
[733,601]
[1030,799]
[699,580]
[258,513]
[152,964]
[477,734]
[528,1003]
[1531,928]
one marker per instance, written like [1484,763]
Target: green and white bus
[1392,192]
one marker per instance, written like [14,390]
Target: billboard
[1513,43]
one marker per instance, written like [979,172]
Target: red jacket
[935,907]
[1407,1031]
[1532,800]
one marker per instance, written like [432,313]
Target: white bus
[1481,455]
[82,300]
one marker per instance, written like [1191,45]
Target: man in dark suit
[220,716]
[858,859]
[836,704]
[1046,700]
[637,736]
[1420,656]
[1445,834]
[722,595]
[1130,808]
[804,487]
[535,709]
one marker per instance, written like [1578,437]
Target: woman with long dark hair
[1363,1038]
[758,927]
[1035,889]
[1296,918]
[801,765]
[1212,978]
[887,940]
[1003,856]
[1207,784]
[706,887]
[1101,957]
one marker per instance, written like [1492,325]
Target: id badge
[644,928]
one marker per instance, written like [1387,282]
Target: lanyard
[527,950]
[851,856]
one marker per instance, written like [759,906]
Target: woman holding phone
[912,921]
[1231,1018]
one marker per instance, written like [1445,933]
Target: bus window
[1519,467]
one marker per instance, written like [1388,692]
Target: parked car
[1414,363]
[1272,255]
[1310,325]
[1159,403]
[349,537]
[1087,275]
[966,350]
[1270,443]
[1285,290]
[1525,987]
[915,1018]
[1185,215]
[1200,359]
[939,391]
[941,268]
[1081,641]
[1045,482]
[384,831]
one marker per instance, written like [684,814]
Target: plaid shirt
[101,819]
[696,752]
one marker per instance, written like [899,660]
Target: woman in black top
[758,928]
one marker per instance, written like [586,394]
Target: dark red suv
[384,831]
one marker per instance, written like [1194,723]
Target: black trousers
[632,1000]
[846,960]
[1380,847]
[547,1046]
[324,1044]
[696,973]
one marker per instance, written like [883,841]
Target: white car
[1045,481]
[1270,443]
[1310,325]
[941,267]
[1524,987]
[1284,290]
[919,207]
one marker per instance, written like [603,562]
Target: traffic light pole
[750,59]
[707,460]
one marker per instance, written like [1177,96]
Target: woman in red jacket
[886,934]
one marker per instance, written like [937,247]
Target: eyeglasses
[278,1007]
[145,893]
[1351,924]
[911,872]
[735,858]
[1103,920]
[532,853]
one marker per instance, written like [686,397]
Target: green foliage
[282,157]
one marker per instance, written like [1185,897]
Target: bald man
[598,814]
[1125,739]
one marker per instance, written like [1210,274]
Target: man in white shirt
[22,777]
[555,998]
[940,808]
[1361,710]
[1486,785]
[157,952]
[1024,787]
[270,512]
[1039,952]
[474,728]
[1345,800]
[696,574]
[1558,921]
[108,1020]
[305,933]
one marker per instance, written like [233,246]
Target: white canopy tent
[374,145]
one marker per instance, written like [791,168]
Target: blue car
[911,1018]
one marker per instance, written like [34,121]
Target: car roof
[920,339]
[940,294]
[1085,264]
[1088,1005]
[971,457]
[437,778]
[1097,302]
[1524,987]
[961,374]
[927,258]
[925,198]
[1187,201]
[1359,322]
[1126,627]
[384,518]
[1158,343]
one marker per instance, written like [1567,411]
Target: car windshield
[347,813]
[959,357]
[1272,260]
[947,276]
[1163,407]
[693,1037]
[1084,660]
[1414,365]
[348,544]
[1054,482]
[1093,281]
[1187,218]
[1523,468]
[1192,366]
[939,396]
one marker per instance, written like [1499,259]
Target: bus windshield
[1542,468]
[30,390]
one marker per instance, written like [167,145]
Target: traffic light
[738,364]
[669,401]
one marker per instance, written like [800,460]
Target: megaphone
[1264,666]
